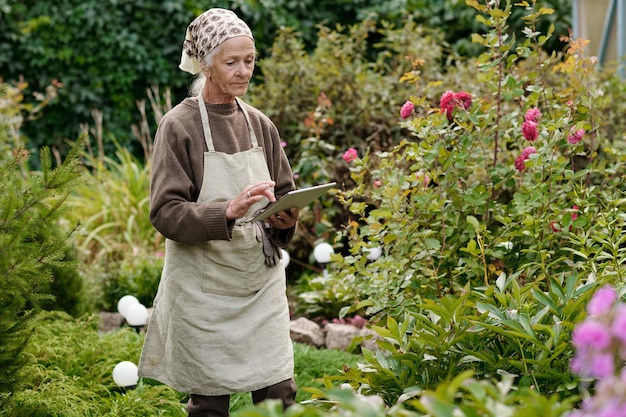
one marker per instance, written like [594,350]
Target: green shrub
[33,248]
[452,205]
[71,373]
[488,257]
[104,53]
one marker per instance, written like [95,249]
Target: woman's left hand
[284,219]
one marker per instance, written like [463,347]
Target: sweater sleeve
[174,191]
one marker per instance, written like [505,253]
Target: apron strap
[208,137]
[255,143]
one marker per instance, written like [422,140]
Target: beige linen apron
[220,322]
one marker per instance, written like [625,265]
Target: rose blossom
[529,130]
[407,109]
[532,115]
[520,164]
[446,104]
[449,100]
[464,99]
[575,136]
[350,155]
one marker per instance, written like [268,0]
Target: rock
[303,330]
[339,336]
[109,321]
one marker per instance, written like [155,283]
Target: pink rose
[350,155]
[407,109]
[529,130]
[532,115]
[575,136]
[520,163]
[464,99]
[377,183]
[449,100]
[446,104]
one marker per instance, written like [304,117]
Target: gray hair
[207,62]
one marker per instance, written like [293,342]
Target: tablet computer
[296,198]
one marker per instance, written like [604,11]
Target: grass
[71,374]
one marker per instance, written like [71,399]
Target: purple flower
[619,324]
[407,109]
[601,365]
[591,334]
[602,301]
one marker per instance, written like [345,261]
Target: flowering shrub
[490,247]
[465,199]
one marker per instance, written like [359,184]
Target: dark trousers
[218,406]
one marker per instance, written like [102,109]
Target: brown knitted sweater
[178,164]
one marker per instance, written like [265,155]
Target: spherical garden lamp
[285,258]
[136,316]
[125,374]
[373,253]
[125,302]
[321,253]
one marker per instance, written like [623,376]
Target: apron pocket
[236,267]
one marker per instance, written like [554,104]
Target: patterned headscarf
[206,32]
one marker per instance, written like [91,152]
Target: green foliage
[451,205]
[117,245]
[463,396]
[33,248]
[71,374]
[521,330]
[319,120]
[137,275]
[105,54]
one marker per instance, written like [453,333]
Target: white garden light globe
[322,252]
[125,374]
[286,258]
[136,315]
[125,302]
[373,253]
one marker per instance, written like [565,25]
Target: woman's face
[231,70]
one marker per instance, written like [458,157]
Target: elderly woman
[220,322]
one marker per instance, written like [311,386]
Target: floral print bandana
[206,32]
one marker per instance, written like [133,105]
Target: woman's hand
[238,207]
[284,219]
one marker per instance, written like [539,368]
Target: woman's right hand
[239,206]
